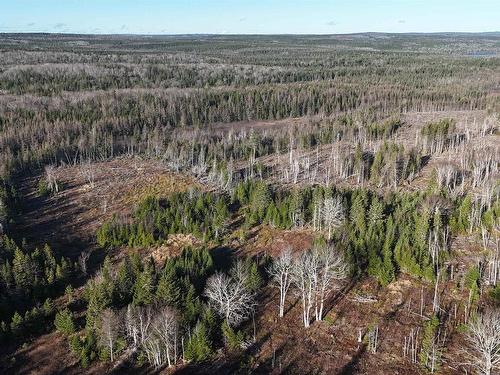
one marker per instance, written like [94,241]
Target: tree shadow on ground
[352,366]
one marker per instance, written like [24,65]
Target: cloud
[31,24]
[242,19]
[331,23]
[401,21]
[60,26]
[124,27]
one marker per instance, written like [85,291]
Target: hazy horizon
[251,34]
[258,17]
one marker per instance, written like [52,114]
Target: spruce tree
[144,286]
[199,347]
[169,290]
[64,322]
[125,280]
[17,324]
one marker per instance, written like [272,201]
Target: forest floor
[332,346]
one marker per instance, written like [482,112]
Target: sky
[248,16]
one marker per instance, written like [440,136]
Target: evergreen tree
[99,294]
[22,270]
[192,305]
[199,347]
[232,338]
[169,290]
[17,324]
[220,216]
[144,286]
[388,270]
[253,280]
[125,280]
[64,322]
[358,211]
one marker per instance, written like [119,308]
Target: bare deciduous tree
[304,273]
[51,179]
[155,331]
[484,342]
[88,172]
[138,320]
[333,214]
[131,326]
[109,330]
[229,296]
[313,276]
[144,320]
[152,346]
[281,274]
[332,267]
[373,339]
[82,261]
[166,328]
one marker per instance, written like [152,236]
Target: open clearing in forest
[84,203]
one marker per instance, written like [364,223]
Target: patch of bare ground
[332,346]
[49,354]
[69,219]
[265,239]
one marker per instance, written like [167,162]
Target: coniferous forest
[250,204]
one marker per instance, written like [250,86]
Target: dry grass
[159,186]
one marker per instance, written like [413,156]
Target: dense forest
[258,204]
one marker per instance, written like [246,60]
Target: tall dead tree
[51,179]
[166,329]
[109,330]
[332,267]
[373,339]
[87,170]
[131,326]
[152,346]
[314,275]
[333,214]
[82,261]
[281,274]
[138,320]
[483,337]
[492,272]
[439,240]
[304,279]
